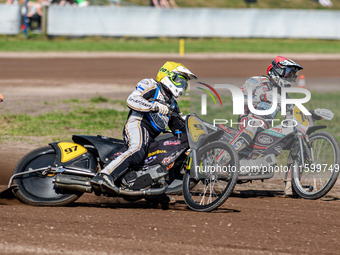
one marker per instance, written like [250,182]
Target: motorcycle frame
[203,138]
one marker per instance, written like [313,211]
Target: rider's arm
[244,89]
[289,109]
[138,98]
[260,88]
[252,84]
[177,123]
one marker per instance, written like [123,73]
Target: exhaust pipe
[72,183]
[118,191]
[149,192]
[83,184]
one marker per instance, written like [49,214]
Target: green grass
[90,119]
[329,101]
[99,99]
[167,45]
[72,100]
[81,120]
[84,117]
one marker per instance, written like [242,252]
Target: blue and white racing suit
[143,125]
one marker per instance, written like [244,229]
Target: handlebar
[173,108]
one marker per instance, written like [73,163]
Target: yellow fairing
[300,117]
[70,151]
[195,128]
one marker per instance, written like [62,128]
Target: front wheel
[218,167]
[35,189]
[316,179]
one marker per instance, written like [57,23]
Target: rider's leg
[247,132]
[138,139]
[243,138]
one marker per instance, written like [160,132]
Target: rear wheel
[316,179]
[218,165]
[35,189]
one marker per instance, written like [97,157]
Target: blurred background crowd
[34,8]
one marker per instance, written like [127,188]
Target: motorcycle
[58,174]
[313,162]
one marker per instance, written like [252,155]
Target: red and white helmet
[283,71]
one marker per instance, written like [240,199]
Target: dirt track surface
[244,225]
[251,222]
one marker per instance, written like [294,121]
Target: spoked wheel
[315,179]
[218,165]
[35,189]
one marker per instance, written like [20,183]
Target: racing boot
[104,183]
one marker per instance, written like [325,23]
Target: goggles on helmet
[179,81]
[290,73]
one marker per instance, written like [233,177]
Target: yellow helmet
[175,77]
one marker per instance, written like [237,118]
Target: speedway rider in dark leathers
[281,73]
[148,117]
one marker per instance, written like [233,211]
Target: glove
[161,108]
[319,114]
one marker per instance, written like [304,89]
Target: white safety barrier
[193,22]
[9,19]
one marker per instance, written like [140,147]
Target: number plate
[195,128]
[70,151]
[300,117]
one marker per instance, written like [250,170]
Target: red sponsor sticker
[177,142]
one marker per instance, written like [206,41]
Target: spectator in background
[34,13]
[163,3]
[12,2]
[155,3]
[326,3]
[115,2]
[67,2]
[172,3]
[82,3]
[48,2]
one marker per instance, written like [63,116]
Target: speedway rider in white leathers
[281,73]
[149,106]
